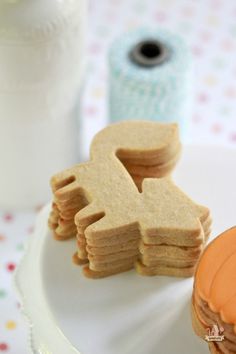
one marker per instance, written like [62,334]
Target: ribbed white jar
[41,70]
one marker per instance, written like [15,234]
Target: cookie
[164,270]
[198,240]
[109,266]
[148,157]
[89,273]
[203,323]
[159,144]
[100,201]
[214,293]
[169,262]
[129,245]
[155,170]
[111,257]
[170,252]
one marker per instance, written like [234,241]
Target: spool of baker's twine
[150,77]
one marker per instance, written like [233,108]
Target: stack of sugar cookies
[158,230]
[214,294]
[61,219]
[174,243]
[169,245]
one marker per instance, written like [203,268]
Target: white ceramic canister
[41,70]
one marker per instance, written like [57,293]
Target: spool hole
[150,50]
[149,53]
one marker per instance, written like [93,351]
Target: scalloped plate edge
[44,335]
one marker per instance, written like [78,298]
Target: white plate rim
[39,339]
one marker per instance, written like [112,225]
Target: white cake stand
[125,313]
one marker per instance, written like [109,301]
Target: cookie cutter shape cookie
[110,207]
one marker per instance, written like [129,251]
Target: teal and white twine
[161,92]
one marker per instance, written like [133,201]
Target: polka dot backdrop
[209,27]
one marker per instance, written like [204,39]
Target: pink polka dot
[233,137]
[197,51]
[205,36]
[227,45]
[91,110]
[8,217]
[216,4]
[111,17]
[231,92]
[30,230]
[95,48]
[4,347]
[11,267]
[202,97]
[160,16]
